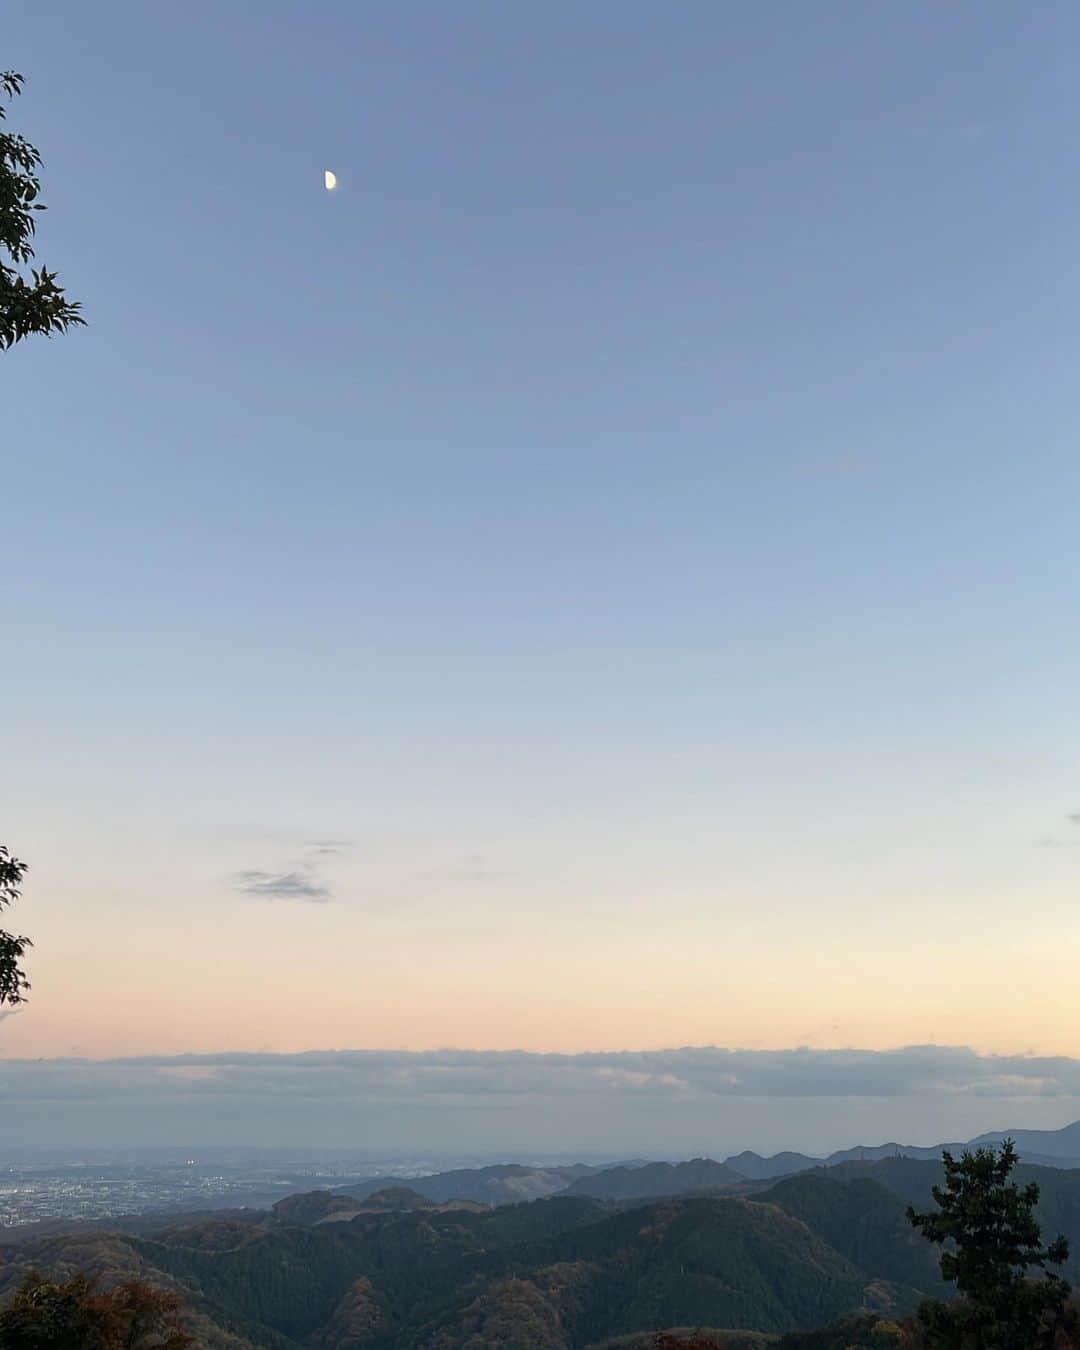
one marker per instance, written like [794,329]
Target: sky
[600,580]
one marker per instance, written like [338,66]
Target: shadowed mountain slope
[656,1179]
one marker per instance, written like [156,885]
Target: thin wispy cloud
[303,879]
[281,885]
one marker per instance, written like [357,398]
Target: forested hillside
[562,1273]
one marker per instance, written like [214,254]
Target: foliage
[864,1331]
[75,1315]
[991,1239]
[511,1313]
[573,1271]
[37,305]
[562,1273]
[13,983]
[864,1221]
[657,1179]
[697,1340]
[691,1338]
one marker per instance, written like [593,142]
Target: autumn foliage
[77,1315]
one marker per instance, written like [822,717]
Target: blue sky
[629,527]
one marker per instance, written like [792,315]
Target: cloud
[295,885]
[709,1072]
[674,1102]
[302,880]
[1049,841]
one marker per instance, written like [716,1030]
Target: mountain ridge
[559,1273]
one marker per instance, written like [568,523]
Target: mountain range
[511,1183]
[600,1257]
[400,1271]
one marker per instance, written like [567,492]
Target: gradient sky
[604,578]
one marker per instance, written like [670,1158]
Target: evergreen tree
[993,1251]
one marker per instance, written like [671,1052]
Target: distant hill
[1062,1144]
[317,1207]
[396,1198]
[501,1184]
[1047,1148]
[878,1152]
[757,1168]
[512,1183]
[312,1206]
[656,1179]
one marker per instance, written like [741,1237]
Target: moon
[330,179]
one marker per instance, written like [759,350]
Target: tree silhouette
[992,1246]
[13,983]
[37,304]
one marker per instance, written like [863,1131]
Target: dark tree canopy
[13,983]
[993,1251]
[34,304]
[77,1315]
[694,1340]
